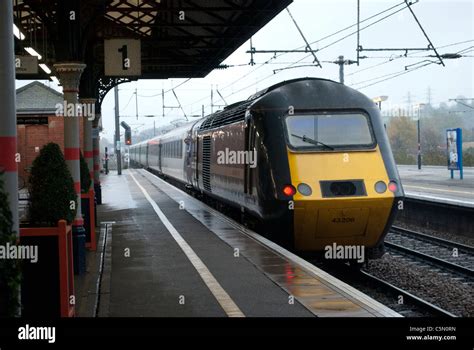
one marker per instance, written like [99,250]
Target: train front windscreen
[329,131]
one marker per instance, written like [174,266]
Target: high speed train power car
[308,158]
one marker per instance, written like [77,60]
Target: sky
[446,22]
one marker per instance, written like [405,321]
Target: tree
[468,157]
[403,139]
[51,187]
[432,147]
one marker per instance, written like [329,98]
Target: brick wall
[31,138]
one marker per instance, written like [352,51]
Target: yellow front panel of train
[354,220]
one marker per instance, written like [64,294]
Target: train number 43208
[343,220]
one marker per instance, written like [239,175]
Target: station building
[38,124]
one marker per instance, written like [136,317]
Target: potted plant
[48,284]
[10,277]
[51,188]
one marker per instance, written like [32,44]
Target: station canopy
[179,39]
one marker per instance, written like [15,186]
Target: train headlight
[380,187]
[392,186]
[304,189]
[289,190]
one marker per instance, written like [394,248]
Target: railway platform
[433,183]
[165,254]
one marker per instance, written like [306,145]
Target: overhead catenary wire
[377,78]
[393,58]
[299,47]
[424,33]
[307,56]
[313,42]
[124,108]
[308,45]
[275,57]
[397,75]
[357,31]
[169,90]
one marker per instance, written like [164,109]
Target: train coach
[308,158]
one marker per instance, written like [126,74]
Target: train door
[140,155]
[195,158]
[146,150]
[252,154]
[159,156]
[188,157]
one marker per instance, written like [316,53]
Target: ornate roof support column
[69,74]
[96,154]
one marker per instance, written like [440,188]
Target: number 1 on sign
[125,60]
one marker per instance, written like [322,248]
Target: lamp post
[378,101]
[419,106]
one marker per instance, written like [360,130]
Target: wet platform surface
[434,183]
[173,256]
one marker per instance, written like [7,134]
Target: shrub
[468,157]
[85,176]
[51,188]
[9,269]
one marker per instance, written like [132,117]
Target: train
[308,158]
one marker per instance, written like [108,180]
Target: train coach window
[172,149]
[329,131]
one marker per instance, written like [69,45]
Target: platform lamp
[379,99]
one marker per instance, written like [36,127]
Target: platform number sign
[26,65]
[454,150]
[122,57]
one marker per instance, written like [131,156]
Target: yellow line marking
[226,302]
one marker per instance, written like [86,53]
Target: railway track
[398,299]
[450,257]
[440,256]
[412,304]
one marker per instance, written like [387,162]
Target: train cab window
[329,131]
